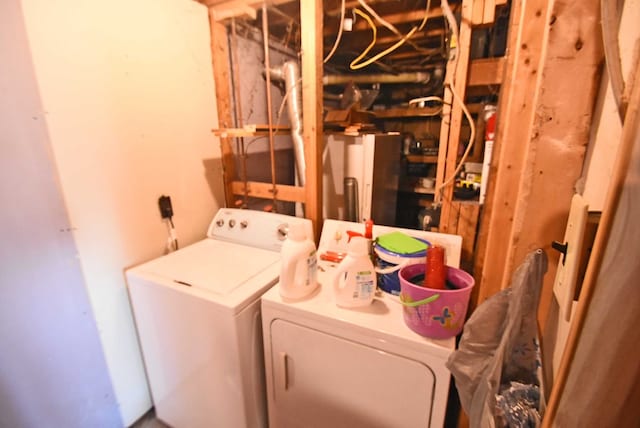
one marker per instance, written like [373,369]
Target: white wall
[128,99]
[605,135]
[52,367]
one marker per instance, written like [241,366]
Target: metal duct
[341,79]
[290,73]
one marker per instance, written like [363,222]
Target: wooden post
[543,127]
[311,27]
[450,129]
[222,80]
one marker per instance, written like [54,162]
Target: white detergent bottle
[354,284]
[298,272]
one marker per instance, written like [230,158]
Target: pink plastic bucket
[438,314]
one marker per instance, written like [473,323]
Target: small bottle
[298,271]
[354,284]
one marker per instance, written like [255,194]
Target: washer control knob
[244,224]
[220,223]
[283,231]
[232,223]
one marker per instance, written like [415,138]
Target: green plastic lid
[401,243]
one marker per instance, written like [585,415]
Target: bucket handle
[391,269]
[419,302]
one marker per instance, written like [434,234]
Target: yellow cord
[373,40]
[354,65]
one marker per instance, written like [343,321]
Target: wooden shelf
[409,112]
[250,131]
[422,159]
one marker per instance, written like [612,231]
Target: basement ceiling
[371,27]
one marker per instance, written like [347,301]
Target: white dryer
[328,366]
[197,311]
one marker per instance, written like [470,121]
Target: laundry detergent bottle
[354,283]
[298,272]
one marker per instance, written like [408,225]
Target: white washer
[330,366]
[197,312]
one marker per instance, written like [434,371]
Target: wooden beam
[477,15]
[400,18]
[515,117]
[311,26]
[233,9]
[261,190]
[489,14]
[467,213]
[450,130]
[251,3]
[540,144]
[222,80]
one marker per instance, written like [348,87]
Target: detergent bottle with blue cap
[354,283]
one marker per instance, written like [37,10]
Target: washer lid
[215,266]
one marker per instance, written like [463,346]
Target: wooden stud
[489,15]
[450,131]
[477,15]
[311,25]
[466,227]
[222,80]
[540,137]
[256,189]
[515,116]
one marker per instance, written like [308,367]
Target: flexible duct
[290,74]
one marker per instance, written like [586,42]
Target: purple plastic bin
[438,314]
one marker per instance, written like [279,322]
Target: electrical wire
[472,137]
[429,99]
[172,240]
[373,39]
[405,38]
[339,36]
[391,27]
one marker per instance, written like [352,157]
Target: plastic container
[438,314]
[299,263]
[436,273]
[388,263]
[354,283]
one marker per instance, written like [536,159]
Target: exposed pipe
[290,74]
[341,79]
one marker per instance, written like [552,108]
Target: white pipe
[339,79]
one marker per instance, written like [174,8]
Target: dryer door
[322,380]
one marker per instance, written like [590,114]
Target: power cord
[166,212]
